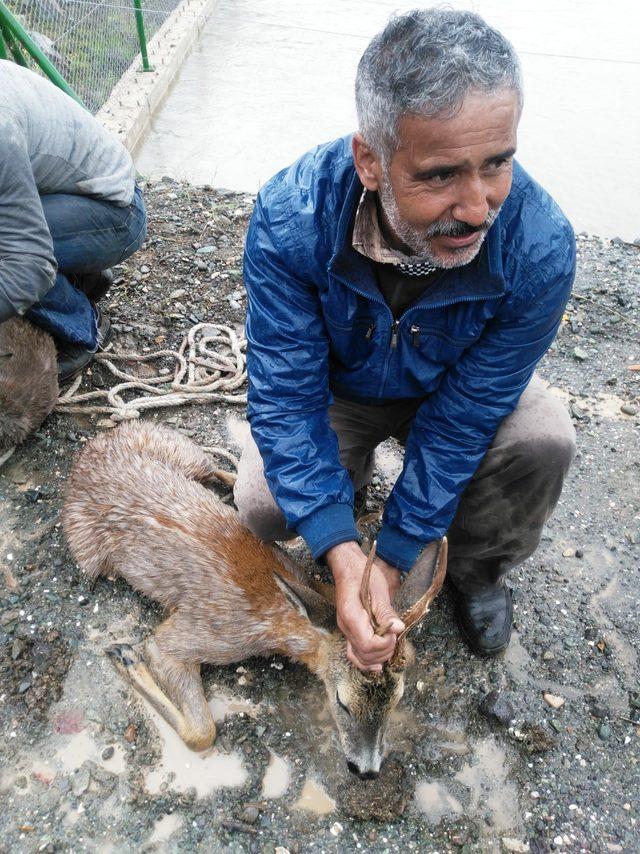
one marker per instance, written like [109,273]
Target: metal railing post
[141,36]
[14,28]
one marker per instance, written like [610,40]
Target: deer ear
[309,602]
[312,598]
[422,584]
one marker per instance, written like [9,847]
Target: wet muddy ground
[538,750]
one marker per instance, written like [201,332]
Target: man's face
[447,179]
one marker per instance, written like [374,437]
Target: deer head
[361,703]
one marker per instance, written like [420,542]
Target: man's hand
[365,649]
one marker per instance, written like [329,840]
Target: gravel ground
[538,750]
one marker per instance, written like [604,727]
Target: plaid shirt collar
[368,239]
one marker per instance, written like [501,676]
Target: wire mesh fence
[91,42]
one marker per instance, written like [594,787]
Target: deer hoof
[123,655]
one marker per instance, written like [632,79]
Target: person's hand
[365,649]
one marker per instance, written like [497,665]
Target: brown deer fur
[28,379]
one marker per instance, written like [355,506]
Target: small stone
[497,706]
[579,553]
[547,655]
[336,829]
[24,686]
[280,849]
[629,409]
[556,725]
[206,250]
[604,732]
[514,845]
[580,354]
[108,752]
[177,294]
[131,733]
[569,553]
[81,781]
[145,269]
[250,814]
[553,700]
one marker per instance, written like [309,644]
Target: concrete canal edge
[138,93]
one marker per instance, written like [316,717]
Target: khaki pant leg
[514,491]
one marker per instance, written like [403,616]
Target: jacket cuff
[328,527]
[398,549]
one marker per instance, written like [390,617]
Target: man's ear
[367,163]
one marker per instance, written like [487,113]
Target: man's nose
[472,205]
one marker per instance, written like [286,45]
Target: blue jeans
[89,235]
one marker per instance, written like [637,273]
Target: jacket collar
[481,279]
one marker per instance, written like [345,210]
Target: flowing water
[269,79]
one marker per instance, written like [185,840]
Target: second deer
[137,506]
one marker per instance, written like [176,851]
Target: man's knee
[539,433]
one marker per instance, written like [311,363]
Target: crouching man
[69,210]
[405,281]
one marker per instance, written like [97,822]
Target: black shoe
[74,358]
[485,618]
[94,285]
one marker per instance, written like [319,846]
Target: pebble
[250,814]
[177,294]
[629,409]
[497,706]
[580,354]
[81,781]
[336,829]
[604,732]
[207,250]
[514,845]
[131,733]
[553,700]
[108,752]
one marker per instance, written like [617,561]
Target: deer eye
[342,705]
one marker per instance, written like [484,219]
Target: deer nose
[363,775]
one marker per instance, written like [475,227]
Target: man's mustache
[458,228]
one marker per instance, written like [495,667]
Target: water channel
[269,79]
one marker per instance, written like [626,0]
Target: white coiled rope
[209,366]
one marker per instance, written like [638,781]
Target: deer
[139,505]
[28,379]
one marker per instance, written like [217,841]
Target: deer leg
[185,456]
[174,689]
[182,682]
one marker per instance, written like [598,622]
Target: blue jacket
[318,325]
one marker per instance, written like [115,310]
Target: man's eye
[342,705]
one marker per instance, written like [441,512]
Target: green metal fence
[89,42]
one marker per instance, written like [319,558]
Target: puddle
[490,793]
[625,654]
[435,801]
[602,406]
[82,746]
[277,777]
[315,799]
[224,705]
[165,827]
[180,769]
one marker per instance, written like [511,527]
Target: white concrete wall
[136,96]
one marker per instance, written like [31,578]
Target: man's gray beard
[419,241]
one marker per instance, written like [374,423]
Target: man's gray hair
[425,62]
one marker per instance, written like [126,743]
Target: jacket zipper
[394,335]
[396,323]
[369,333]
[415,335]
